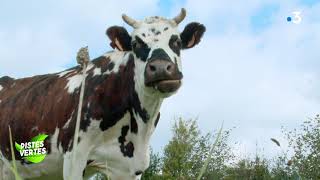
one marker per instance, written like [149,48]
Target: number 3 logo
[297,18]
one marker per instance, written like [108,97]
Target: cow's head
[156,44]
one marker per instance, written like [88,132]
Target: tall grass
[13,166]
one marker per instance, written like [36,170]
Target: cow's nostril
[169,67]
[138,173]
[152,68]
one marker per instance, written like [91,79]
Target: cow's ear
[120,38]
[191,35]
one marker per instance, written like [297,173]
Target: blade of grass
[108,178]
[82,59]
[14,166]
[204,167]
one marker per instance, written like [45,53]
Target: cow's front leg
[73,168]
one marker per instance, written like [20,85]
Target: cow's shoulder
[108,63]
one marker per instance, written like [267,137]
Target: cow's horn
[180,16]
[130,21]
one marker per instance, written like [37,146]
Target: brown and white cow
[123,94]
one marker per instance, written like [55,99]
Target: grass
[13,166]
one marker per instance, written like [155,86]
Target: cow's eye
[177,43]
[140,48]
[136,45]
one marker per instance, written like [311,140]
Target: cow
[124,90]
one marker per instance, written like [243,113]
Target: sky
[253,71]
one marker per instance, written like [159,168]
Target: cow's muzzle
[163,75]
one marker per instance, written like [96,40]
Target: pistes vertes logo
[33,151]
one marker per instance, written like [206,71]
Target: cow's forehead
[154,29]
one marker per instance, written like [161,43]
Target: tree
[154,170]
[305,143]
[177,163]
[220,158]
[187,151]
[249,169]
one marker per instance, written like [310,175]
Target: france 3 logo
[296,18]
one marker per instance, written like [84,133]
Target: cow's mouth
[166,86]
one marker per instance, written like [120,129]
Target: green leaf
[18,146]
[40,137]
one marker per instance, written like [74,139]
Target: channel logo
[295,18]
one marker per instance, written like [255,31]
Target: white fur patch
[97,71]
[118,58]
[1,87]
[74,82]
[55,147]
[68,122]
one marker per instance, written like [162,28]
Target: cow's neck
[152,105]
[151,102]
